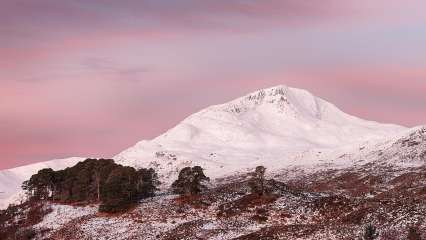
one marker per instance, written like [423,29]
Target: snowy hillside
[276,127]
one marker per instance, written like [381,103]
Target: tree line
[114,186]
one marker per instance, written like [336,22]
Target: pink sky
[91,78]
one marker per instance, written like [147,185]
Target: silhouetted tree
[41,185]
[147,182]
[190,181]
[119,190]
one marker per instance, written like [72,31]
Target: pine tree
[190,181]
[119,190]
[41,185]
[147,182]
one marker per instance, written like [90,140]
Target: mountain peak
[292,102]
[279,119]
[280,113]
[279,92]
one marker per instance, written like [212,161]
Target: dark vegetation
[115,186]
[190,181]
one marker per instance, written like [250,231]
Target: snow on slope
[275,127]
[11,179]
[407,149]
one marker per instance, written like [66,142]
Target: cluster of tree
[115,186]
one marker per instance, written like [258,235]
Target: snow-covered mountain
[277,127]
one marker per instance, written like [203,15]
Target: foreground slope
[331,204]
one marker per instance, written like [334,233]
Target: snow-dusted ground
[63,214]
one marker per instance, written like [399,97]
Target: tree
[126,186]
[370,232]
[413,233]
[41,185]
[147,182]
[118,192]
[190,181]
[257,181]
